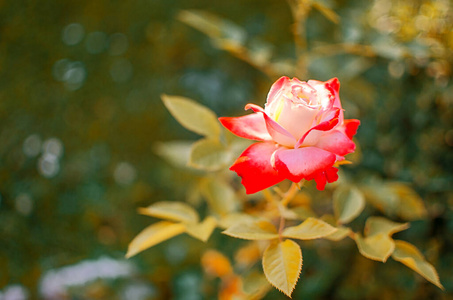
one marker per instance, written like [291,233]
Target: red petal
[351,126]
[296,164]
[254,166]
[326,125]
[276,88]
[250,127]
[334,83]
[336,142]
[279,134]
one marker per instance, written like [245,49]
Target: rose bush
[302,133]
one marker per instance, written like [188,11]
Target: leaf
[170,210]
[203,230]
[348,203]
[258,230]
[341,232]
[176,153]
[193,116]
[376,225]
[209,155]
[311,228]
[377,247]
[235,218]
[410,206]
[381,197]
[153,235]
[409,255]
[282,263]
[220,196]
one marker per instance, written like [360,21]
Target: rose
[302,133]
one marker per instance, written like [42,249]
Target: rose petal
[350,127]
[326,125]
[296,164]
[336,142]
[277,88]
[279,134]
[250,127]
[254,166]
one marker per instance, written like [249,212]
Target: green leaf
[376,225]
[348,203]
[153,235]
[170,210]
[203,230]
[209,155]
[377,247]
[220,195]
[409,255]
[193,116]
[176,153]
[258,230]
[311,228]
[282,263]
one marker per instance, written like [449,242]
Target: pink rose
[302,133]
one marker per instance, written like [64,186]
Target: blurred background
[81,115]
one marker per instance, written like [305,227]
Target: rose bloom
[302,135]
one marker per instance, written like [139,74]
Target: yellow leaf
[235,218]
[153,235]
[170,210]
[377,247]
[193,116]
[376,225]
[282,263]
[409,255]
[338,235]
[209,155]
[311,228]
[410,205]
[203,230]
[348,203]
[258,230]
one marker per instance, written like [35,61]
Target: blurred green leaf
[193,116]
[220,195]
[176,153]
[377,247]
[376,225]
[209,155]
[348,203]
[410,206]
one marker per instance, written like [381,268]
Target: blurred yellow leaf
[282,263]
[153,235]
[247,255]
[174,211]
[209,155]
[193,116]
[376,225]
[255,285]
[377,247]
[410,206]
[203,230]
[258,230]
[348,203]
[309,229]
[216,264]
[409,255]
[220,195]
[235,218]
